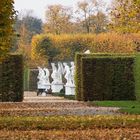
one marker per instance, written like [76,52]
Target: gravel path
[50,105]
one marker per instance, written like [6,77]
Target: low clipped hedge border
[69,122]
[85,84]
[11,77]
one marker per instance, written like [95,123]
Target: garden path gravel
[52,105]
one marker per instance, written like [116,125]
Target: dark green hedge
[26,78]
[0,82]
[11,77]
[137,76]
[78,62]
[104,77]
[33,79]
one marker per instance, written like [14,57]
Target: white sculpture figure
[40,74]
[41,78]
[47,73]
[67,74]
[57,84]
[43,83]
[72,72]
[69,87]
[54,74]
[60,72]
[62,68]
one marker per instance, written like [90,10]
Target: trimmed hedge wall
[63,47]
[33,79]
[11,77]
[137,76]
[104,77]
[26,78]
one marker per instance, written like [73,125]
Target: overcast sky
[39,6]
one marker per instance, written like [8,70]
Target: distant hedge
[11,79]
[104,77]
[63,47]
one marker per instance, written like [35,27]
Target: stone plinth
[47,87]
[44,86]
[69,90]
[44,94]
[56,87]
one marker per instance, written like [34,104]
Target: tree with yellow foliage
[7,17]
[58,19]
[126,16]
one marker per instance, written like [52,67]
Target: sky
[39,6]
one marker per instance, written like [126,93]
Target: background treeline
[92,17]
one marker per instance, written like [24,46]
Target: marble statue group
[59,73]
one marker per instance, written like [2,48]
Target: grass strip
[128,107]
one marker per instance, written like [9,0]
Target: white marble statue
[57,83]
[62,68]
[60,72]
[54,74]
[40,77]
[67,74]
[46,77]
[72,72]
[43,77]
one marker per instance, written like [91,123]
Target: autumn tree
[99,23]
[26,27]
[91,15]
[7,16]
[126,16]
[58,19]
[31,23]
[43,51]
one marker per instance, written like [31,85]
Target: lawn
[129,107]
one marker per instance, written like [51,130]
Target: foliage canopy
[7,16]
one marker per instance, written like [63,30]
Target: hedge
[11,85]
[69,122]
[0,82]
[78,63]
[33,73]
[104,77]
[26,78]
[63,47]
[137,76]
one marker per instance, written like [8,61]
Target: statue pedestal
[56,87]
[41,86]
[44,86]
[48,86]
[69,90]
[42,89]
[44,94]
